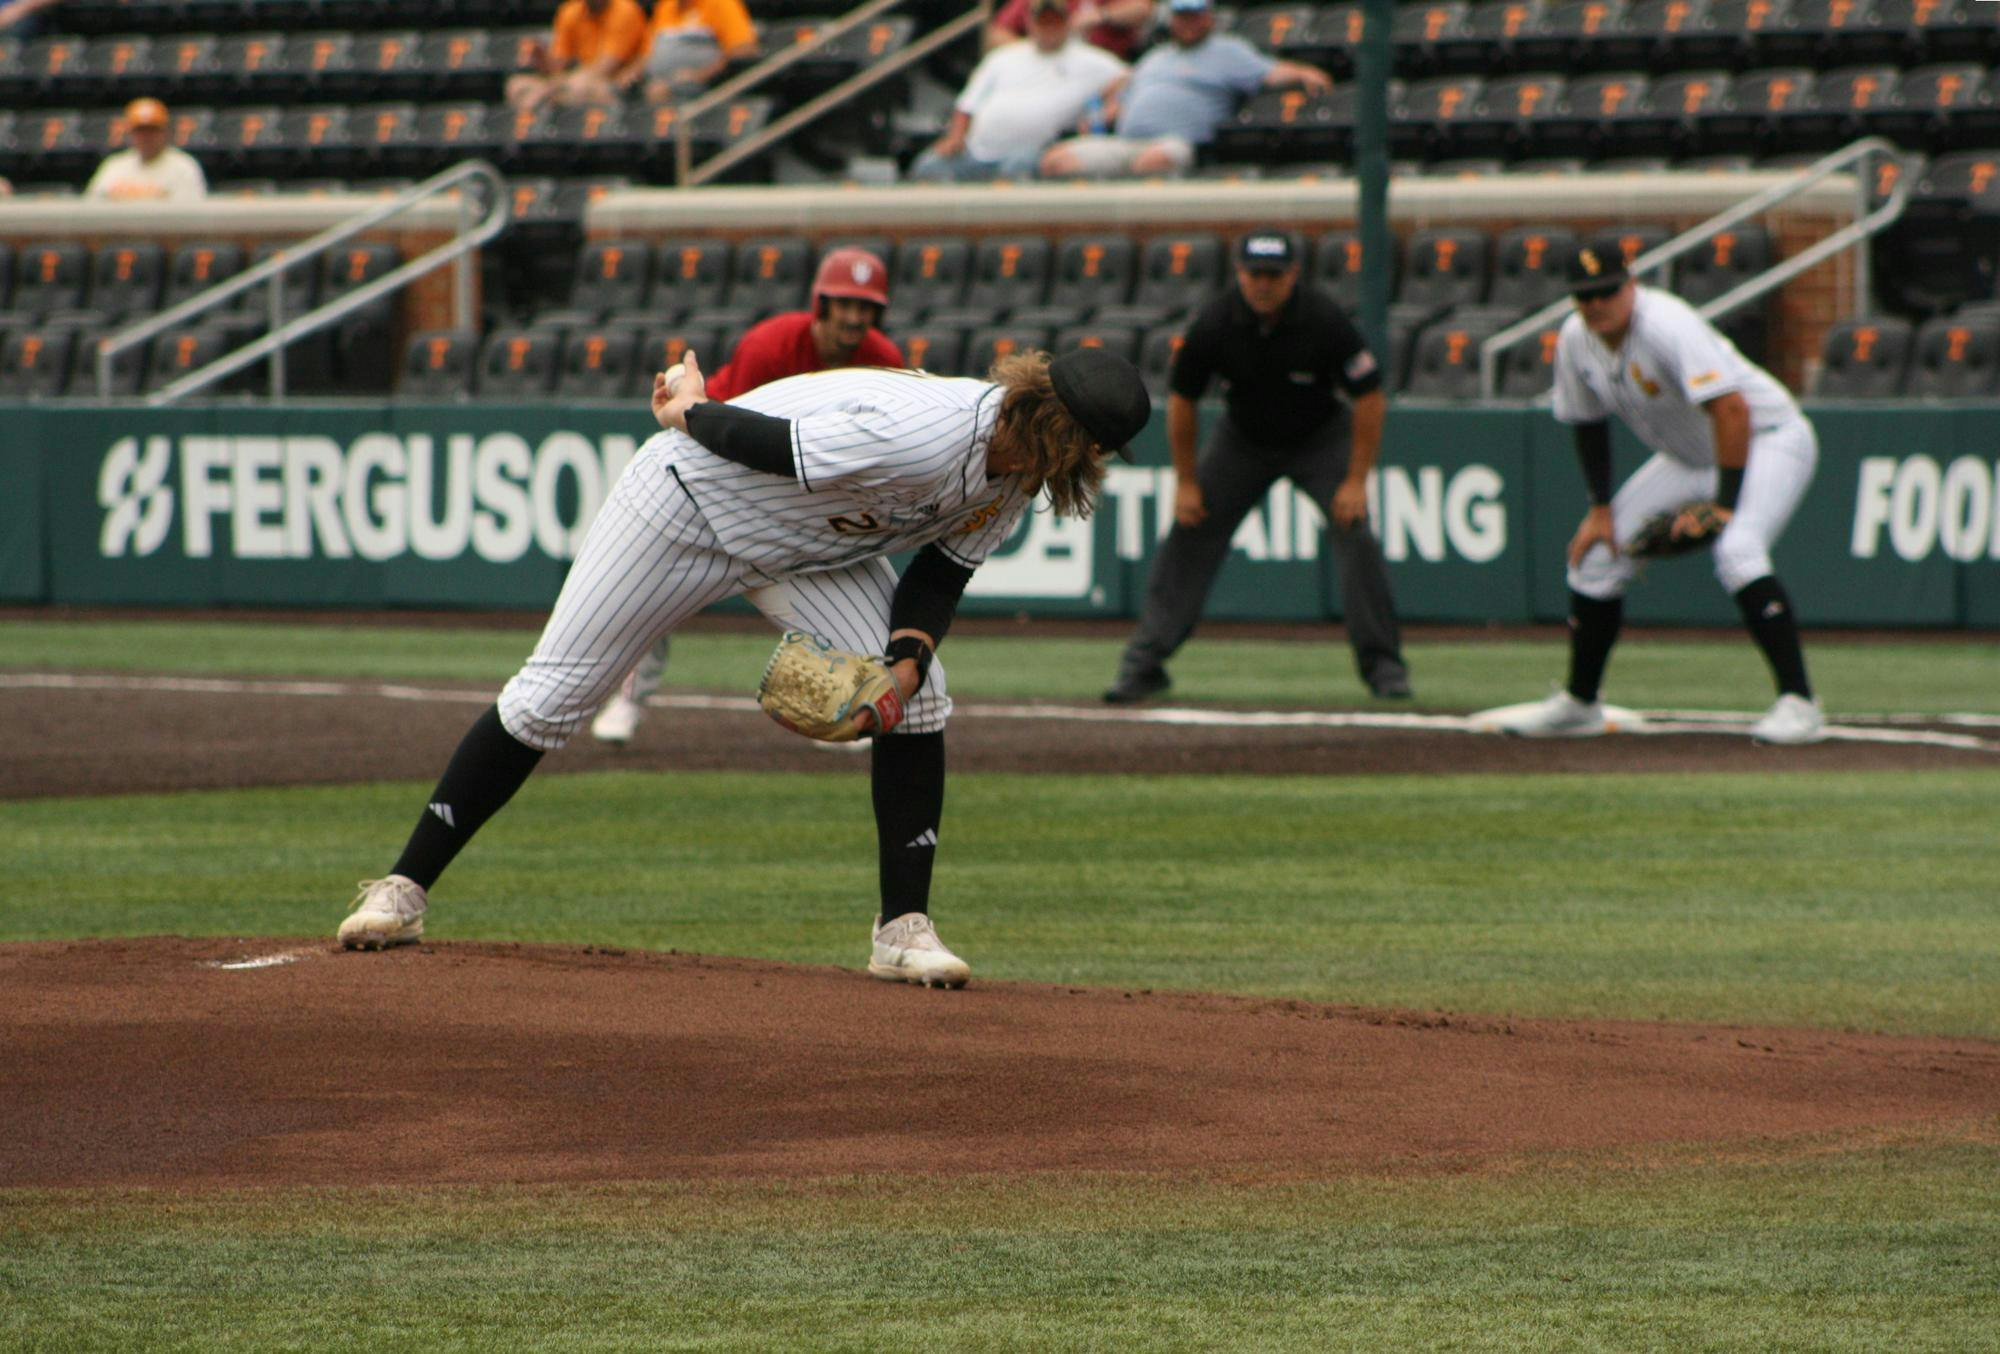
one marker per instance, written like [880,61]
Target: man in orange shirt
[597,50]
[693,41]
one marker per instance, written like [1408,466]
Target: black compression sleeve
[1728,485]
[744,436]
[927,594]
[1593,449]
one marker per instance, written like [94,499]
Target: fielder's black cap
[1272,251]
[1598,265]
[1104,394]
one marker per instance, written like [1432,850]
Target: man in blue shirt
[1177,96]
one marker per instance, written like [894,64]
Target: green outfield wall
[483,505]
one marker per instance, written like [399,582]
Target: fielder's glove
[812,688]
[1690,527]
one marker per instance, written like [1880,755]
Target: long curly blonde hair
[1056,455]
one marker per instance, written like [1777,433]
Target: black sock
[1767,611]
[907,779]
[1593,629]
[488,767]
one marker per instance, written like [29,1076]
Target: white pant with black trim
[647,563]
[1781,465]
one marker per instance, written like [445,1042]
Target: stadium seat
[1955,359]
[1289,125]
[128,368]
[1484,43]
[462,63]
[1590,119]
[1942,252]
[1009,272]
[35,362]
[313,139]
[321,65]
[930,274]
[1669,120]
[1417,30]
[1177,273]
[1116,339]
[519,364]
[985,346]
[437,364]
[663,345]
[1285,31]
[1528,263]
[49,277]
[1726,34]
[390,65]
[1336,266]
[934,349]
[1566,35]
[1864,359]
[115,65]
[186,67]
[1094,270]
[299,284]
[242,142]
[1157,350]
[1444,364]
[1337,33]
[252,66]
[175,353]
[599,363]
[1939,106]
[1445,267]
[1759,104]
[126,277]
[1502,121]
[1939,30]
[1722,262]
[1528,368]
[613,275]
[56,67]
[384,136]
[451,130]
[51,142]
[1840,105]
[1426,123]
[1829,33]
[770,274]
[1640,38]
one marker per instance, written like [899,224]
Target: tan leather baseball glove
[812,688]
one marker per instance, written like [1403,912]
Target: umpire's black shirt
[1278,376]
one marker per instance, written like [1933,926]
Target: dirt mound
[141,1062]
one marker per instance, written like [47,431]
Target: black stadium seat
[1864,359]
[1095,270]
[1955,359]
[1484,43]
[126,278]
[690,278]
[930,273]
[1009,272]
[1157,349]
[1120,340]
[175,353]
[934,349]
[519,364]
[1528,368]
[1445,361]
[1445,267]
[770,274]
[1722,262]
[35,362]
[1419,28]
[1426,122]
[1528,263]
[437,364]
[663,345]
[615,274]
[985,346]
[49,277]
[1337,263]
[1565,36]
[599,363]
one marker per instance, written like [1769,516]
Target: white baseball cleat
[907,950]
[1790,720]
[388,912]
[618,720]
[1560,716]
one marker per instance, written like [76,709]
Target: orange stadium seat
[437,364]
[1864,358]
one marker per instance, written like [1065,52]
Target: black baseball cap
[1597,266]
[1104,394]
[1271,251]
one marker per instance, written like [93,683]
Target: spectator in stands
[595,52]
[1021,97]
[850,296]
[1117,26]
[693,42]
[149,169]
[1177,96]
[23,18]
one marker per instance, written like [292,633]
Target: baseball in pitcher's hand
[1350,504]
[673,398]
[1595,530]
[1189,510]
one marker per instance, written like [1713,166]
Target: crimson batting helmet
[853,274]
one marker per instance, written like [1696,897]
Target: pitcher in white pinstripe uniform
[794,496]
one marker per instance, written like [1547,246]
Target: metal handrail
[1865,224]
[689,175]
[455,251]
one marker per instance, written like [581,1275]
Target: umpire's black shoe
[1394,686]
[1138,685]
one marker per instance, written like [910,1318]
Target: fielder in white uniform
[1720,428]
[793,496]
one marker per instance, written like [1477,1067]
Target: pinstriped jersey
[883,461]
[1670,364]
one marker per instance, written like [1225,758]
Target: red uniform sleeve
[757,359]
[878,350]
[1013,16]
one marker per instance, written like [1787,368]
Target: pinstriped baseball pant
[648,562]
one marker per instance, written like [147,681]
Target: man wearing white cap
[148,170]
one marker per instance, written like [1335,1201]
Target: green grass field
[1852,901]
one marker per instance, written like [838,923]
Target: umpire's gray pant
[1234,473]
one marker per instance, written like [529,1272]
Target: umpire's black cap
[1104,394]
[1597,266]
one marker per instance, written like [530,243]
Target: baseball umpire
[1732,456]
[1282,351]
[850,295]
[794,496]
